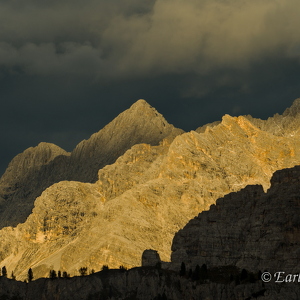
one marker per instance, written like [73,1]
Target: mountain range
[132,186]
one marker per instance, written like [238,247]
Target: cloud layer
[115,39]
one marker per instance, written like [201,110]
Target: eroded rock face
[32,171]
[249,229]
[142,199]
[27,175]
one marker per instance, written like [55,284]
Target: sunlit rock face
[140,200]
[37,168]
[250,229]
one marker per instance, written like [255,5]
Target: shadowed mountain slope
[249,229]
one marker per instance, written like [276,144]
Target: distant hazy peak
[49,146]
[38,155]
[31,158]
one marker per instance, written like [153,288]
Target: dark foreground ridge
[149,283]
[249,229]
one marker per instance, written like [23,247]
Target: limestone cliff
[32,171]
[250,229]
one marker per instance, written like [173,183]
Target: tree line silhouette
[83,271]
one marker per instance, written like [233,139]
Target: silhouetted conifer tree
[52,274]
[83,271]
[4,271]
[196,273]
[13,275]
[105,268]
[59,274]
[182,269]
[244,274]
[123,268]
[66,275]
[30,275]
[203,272]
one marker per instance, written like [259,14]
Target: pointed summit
[141,123]
[142,108]
[143,105]
[144,117]
[139,104]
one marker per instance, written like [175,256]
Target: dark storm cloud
[68,67]
[131,38]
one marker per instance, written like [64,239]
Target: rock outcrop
[142,199]
[249,229]
[150,258]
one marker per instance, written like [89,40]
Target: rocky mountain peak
[140,113]
[141,104]
[141,123]
[294,110]
[33,157]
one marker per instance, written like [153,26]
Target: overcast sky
[67,68]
